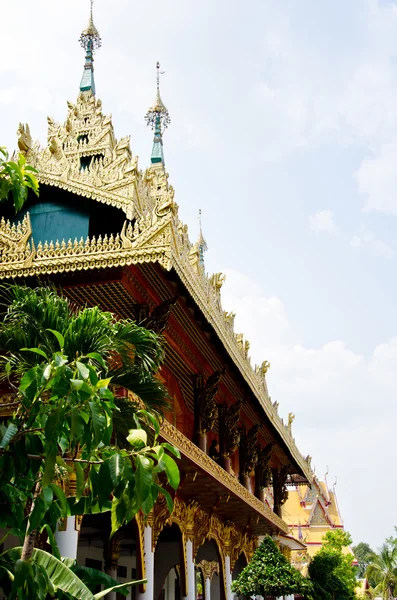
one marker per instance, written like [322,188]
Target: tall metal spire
[201,243]
[91,41]
[158,118]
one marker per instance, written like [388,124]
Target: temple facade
[107,232]
[310,513]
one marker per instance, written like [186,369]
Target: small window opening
[85,162]
[83,138]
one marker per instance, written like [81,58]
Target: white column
[149,565]
[67,540]
[112,572]
[207,588]
[229,593]
[170,585]
[191,574]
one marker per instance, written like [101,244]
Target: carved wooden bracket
[280,492]
[248,449]
[157,321]
[205,406]
[263,473]
[229,434]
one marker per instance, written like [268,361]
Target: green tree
[63,428]
[383,570]
[269,574]
[363,552]
[331,572]
[132,354]
[16,178]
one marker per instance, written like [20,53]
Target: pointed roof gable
[319,515]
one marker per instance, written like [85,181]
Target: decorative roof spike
[158,118]
[201,243]
[91,41]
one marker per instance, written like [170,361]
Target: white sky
[284,133]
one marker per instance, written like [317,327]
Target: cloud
[344,401]
[366,241]
[377,180]
[323,222]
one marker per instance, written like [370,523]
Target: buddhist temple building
[310,513]
[106,231]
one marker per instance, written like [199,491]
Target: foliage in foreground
[60,452]
[16,178]
[331,572]
[363,553]
[382,569]
[269,574]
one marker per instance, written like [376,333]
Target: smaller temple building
[310,513]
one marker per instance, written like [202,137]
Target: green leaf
[77,383]
[60,359]
[172,471]
[36,351]
[49,465]
[118,513]
[103,383]
[21,572]
[59,336]
[9,434]
[154,421]
[27,381]
[115,468]
[167,496]
[98,421]
[47,372]
[77,425]
[120,586]
[98,358]
[60,495]
[171,449]
[105,486]
[37,514]
[143,477]
[54,424]
[60,575]
[48,496]
[80,480]
[83,371]
[51,540]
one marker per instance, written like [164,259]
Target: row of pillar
[67,540]
[191,573]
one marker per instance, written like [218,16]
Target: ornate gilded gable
[84,157]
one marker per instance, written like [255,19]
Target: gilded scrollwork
[208,568]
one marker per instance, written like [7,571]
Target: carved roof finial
[158,118]
[91,41]
[201,243]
